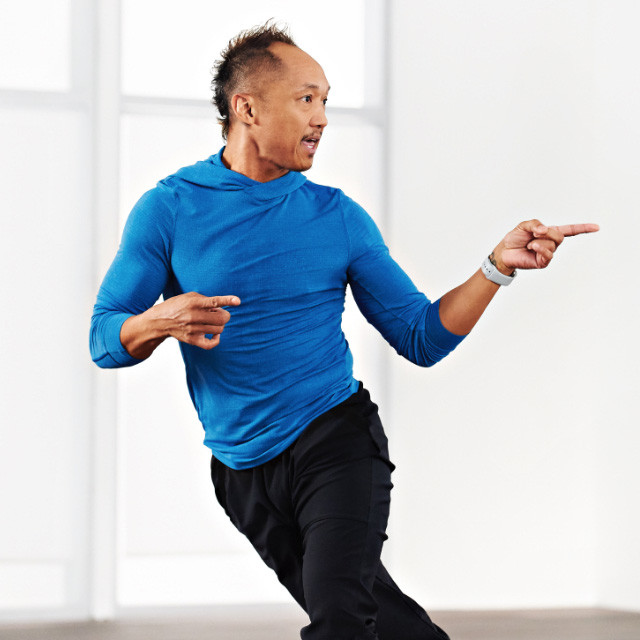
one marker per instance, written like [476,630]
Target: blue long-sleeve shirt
[287,248]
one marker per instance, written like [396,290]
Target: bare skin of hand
[531,245]
[188,317]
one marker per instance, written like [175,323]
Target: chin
[304,165]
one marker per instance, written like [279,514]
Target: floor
[283,623]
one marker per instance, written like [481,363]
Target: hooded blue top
[287,248]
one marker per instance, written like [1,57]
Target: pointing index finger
[225,301]
[577,229]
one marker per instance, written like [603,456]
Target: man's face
[291,111]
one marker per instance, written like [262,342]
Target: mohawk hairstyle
[244,56]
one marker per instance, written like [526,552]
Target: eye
[307,99]
[325,101]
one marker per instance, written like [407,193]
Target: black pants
[317,515]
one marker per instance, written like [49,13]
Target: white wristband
[491,272]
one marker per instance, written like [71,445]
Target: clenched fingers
[190,318]
[207,343]
[551,234]
[202,329]
[199,320]
[542,245]
[213,316]
[544,252]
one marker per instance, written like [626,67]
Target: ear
[243,107]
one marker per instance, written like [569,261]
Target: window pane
[35,45]
[153,147]
[169,52]
[45,381]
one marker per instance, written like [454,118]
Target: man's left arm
[531,245]
[422,331]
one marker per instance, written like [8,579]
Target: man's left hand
[531,244]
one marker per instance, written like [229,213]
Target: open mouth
[311,143]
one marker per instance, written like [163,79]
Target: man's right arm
[126,325]
[189,317]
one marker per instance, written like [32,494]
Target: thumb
[534,227]
[224,301]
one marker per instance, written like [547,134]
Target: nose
[319,117]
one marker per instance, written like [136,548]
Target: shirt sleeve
[137,276]
[388,298]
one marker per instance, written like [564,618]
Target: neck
[242,156]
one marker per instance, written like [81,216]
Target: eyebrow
[310,85]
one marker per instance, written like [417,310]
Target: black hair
[244,56]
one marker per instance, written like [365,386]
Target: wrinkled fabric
[287,248]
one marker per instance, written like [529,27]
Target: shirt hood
[213,174]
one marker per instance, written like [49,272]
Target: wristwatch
[490,271]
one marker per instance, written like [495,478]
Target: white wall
[108,504]
[45,407]
[517,480]
[46,288]
[617,52]
[516,452]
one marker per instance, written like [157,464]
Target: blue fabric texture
[287,248]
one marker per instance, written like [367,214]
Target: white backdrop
[517,481]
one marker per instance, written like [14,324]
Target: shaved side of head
[244,65]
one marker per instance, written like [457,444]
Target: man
[300,460]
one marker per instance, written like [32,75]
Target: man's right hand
[189,317]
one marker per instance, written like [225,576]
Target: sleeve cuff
[438,334]
[112,340]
